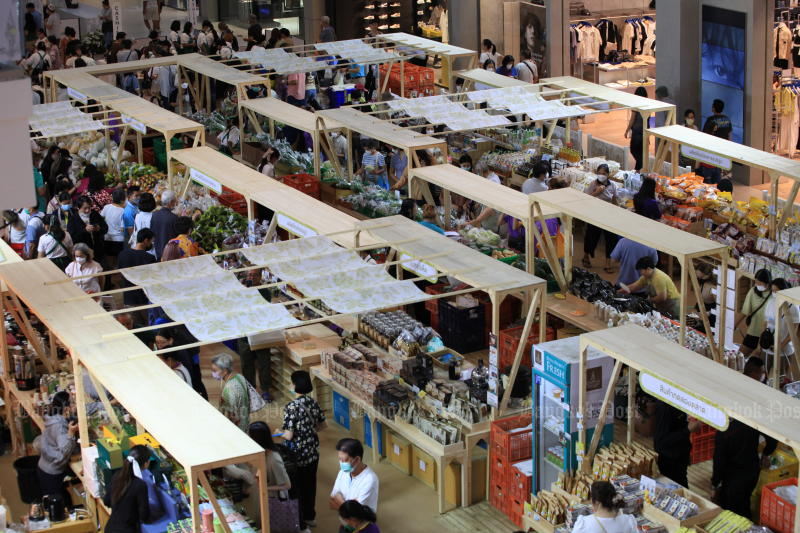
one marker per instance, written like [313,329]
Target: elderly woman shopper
[84,265]
[234,402]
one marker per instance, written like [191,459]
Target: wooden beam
[18,312]
[583,465]
[684,286]
[212,498]
[122,141]
[526,331]
[194,499]
[788,207]
[101,392]
[703,310]
[631,402]
[601,417]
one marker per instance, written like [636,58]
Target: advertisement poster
[533,38]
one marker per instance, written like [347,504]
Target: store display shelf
[566,310]
[550,460]
[25,400]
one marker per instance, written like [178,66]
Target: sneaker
[311,523]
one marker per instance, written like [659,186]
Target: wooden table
[564,309]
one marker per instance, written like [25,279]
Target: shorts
[113,248]
[751,341]
[151,10]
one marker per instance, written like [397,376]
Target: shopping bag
[284,516]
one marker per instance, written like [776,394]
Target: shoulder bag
[256,401]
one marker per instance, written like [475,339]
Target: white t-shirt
[532,185]
[493,177]
[791,312]
[362,488]
[165,76]
[527,71]
[231,135]
[268,170]
[183,374]
[49,246]
[622,523]
[113,217]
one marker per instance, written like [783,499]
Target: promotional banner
[532,35]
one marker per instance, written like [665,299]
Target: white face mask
[216,375]
[761,288]
[601,178]
[80,260]
[690,122]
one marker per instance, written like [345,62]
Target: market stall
[685,247]
[503,199]
[275,110]
[198,70]
[354,121]
[712,150]
[695,385]
[125,368]
[479,77]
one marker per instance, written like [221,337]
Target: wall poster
[533,36]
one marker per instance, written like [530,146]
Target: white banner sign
[293,226]
[77,95]
[420,268]
[135,124]
[705,157]
[687,402]
[116,15]
[202,179]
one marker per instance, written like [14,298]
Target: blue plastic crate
[341,410]
[368,434]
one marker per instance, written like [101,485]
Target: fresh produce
[93,44]
[145,176]
[217,224]
[214,122]
[297,161]
[482,236]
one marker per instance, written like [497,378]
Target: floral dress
[302,416]
[235,402]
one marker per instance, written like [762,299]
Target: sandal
[587,263]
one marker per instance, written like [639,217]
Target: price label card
[396,449]
[422,466]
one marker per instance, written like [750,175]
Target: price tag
[422,466]
[206,181]
[396,449]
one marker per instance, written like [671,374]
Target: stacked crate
[510,450]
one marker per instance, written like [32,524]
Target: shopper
[15,234]
[34,229]
[790,319]
[606,190]
[507,67]
[172,361]
[151,11]
[326,32]
[131,209]
[59,442]
[627,253]
[268,161]
[753,310]
[537,182]
[429,218]
[606,517]
[635,131]
[87,226]
[355,480]
[398,168]
[138,255]
[113,214]
[302,420]
[373,165]
[662,95]
[128,81]
[737,464]
[147,204]
[689,120]
[162,222]
[84,265]
[659,286]
[97,190]
[672,443]
[169,337]
[127,495]
[718,125]
[488,53]
[234,401]
[357,517]
[186,44]
[644,201]
[527,70]
[229,138]
[106,24]
[55,244]
[182,245]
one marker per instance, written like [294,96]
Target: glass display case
[555,401]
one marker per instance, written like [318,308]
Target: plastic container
[702,447]
[510,438]
[305,183]
[28,479]
[508,341]
[777,513]
[462,329]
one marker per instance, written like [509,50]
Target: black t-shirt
[163,225]
[671,436]
[130,511]
[131,257]
[718,126]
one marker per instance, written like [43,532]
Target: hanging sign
[420,268]
[202,179]
[77,95]
[705,157]
[116,16]
[293,226]
[135,124]
[681,399]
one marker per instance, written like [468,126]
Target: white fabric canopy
[61,118]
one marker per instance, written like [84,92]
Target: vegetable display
[217,224]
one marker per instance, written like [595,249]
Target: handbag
[757,309]
[767,339]
[256,401]
[284,516]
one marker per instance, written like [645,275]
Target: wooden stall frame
[784,299]
[733,394]
[684,246]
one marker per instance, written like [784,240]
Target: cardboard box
[452,481]
[399,452]
[707,512]
[109,453]
[423,467]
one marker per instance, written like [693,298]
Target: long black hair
[605,494]
[354,509]
[122,479]
[260,432]
[646,192]
[55,227]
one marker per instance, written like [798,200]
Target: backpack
[41,66]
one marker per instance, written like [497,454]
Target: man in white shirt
[355,481]
[536,183]
[491,175]
[527,70]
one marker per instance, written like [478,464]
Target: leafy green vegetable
[215,225]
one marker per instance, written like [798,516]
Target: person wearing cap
[52,20]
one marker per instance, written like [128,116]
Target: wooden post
[703,310]
[212,498]
[263,495]
[645,143]
[350,154]
[179,84]
[441,462]
[170,172]
[567,223]
[788,207]
[601,417]
[581,414]
[723,302]
[101,392]
[107,133]
[776,347]
[402,81]
[27,329]
[631,402]
[122,141]
[139,150]
[529,245]
[684,289]
[448,208]
[773,202]
[526,331]
[194,498]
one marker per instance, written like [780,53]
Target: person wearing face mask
[131,209]
[59,442]
[689,120]
[398,169]
[84,265]
[234,400]
[357,518]
[169,337]
[373,165]
[606,190]
[137,256]
[753,310]
[537,181]
[737,464]
[606,516]
[302,420]
[355,480]
[86,225]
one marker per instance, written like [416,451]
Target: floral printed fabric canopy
[215,306]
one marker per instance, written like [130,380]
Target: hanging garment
[642,36]
[609,37]
[649,47]
[630,37]
[796,46]
[591,43]
[782,40]
[575,36]
[786,104]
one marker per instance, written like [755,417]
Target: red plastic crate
[500,471]
[514,511]
[777,513]
[433,305]
[509,341]
[233,200]
[704,430]
[498,497]
[305,183]
[702,448]
[520,485]
[508,444]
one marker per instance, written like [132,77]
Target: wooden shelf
[564,309]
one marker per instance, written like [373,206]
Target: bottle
[481,374]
